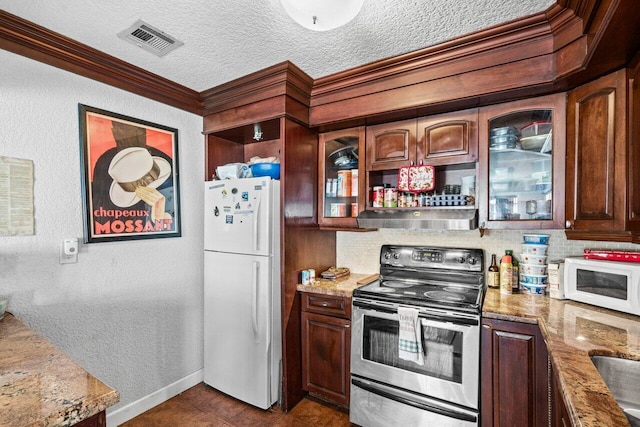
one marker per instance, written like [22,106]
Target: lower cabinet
[514,375]
[98,420]
[326,346]
[559,414]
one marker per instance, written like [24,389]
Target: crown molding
[33,41]
[282,79]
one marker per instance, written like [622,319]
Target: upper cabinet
[341,191]
[603,199]
[448,138]
[521,164]
[391,145]
[436,140]
[448,142]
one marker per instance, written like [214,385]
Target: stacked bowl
[533,268]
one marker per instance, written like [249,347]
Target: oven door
[378,405]
[451,345]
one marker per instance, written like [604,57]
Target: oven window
[442,349]
[601,283]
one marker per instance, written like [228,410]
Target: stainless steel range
[442,288]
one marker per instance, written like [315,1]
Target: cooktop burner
[396,284]
[422,294]
[424,276]
[444,296]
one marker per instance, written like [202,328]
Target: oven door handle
[438,318]
[375,389]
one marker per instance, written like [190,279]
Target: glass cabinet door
[341,167]
[520,174]
[524,155]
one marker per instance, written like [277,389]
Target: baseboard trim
[132,410]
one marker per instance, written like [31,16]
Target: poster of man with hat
[130,177]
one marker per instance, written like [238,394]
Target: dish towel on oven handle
[410,336]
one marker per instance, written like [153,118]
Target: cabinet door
[326,367]
[391,145]
[514,375]
[448,138]
[559,414]
[634,146]
[596,157]
[341,157]
[521,164]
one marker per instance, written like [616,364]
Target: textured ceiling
[227,39]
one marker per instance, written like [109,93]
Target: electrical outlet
[69,251]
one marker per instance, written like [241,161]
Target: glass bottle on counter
[505,275]
[515,272]
[493,273]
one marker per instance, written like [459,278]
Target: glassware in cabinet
[341,177]
[523,164]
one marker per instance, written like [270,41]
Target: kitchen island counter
[41,386]
[573,332]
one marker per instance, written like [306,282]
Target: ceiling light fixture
[322,15]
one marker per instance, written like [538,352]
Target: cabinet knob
[568,224]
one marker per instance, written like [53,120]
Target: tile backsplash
[360,251]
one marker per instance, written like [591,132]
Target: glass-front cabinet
[341,178]
[522,163]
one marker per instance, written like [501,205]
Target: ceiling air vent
[150,39]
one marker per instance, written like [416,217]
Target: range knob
[396,255]
[472,261]
[387,255]
[461,260]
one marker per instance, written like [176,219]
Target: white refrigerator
[242,327]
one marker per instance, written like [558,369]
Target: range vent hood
[425,219]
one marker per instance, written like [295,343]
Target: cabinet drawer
[327,304]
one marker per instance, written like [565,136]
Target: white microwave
[609,284]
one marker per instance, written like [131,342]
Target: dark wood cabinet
[514,375]
[351,196]
[603,198]
[559,414]
[326,346]
[442,139]
[512,173]
[447,141]
[391,145]
[448,138]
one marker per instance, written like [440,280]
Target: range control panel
[432,257]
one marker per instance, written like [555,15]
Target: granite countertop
[573,332]
[339,287]
[40,386]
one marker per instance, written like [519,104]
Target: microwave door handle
[424,405]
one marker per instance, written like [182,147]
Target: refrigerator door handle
[254,300]
[256,223]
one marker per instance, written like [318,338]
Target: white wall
[131,312]
[361,251]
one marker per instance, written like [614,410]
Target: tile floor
[203,406]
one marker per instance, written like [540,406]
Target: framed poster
[129,177]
